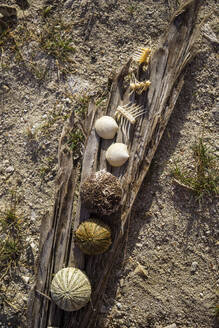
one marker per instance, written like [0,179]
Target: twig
[43,294]
[182,184]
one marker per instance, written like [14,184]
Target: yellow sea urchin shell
[101,193]
[70,289]
[93,237]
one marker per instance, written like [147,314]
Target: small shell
[93,237]
[106,127]
[117,154]
[101,193]
[70,289]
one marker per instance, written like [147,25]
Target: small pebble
[26,279]
[33,246]
[33,215]
[122,281]
[121,322]
[118,314]
[25,298]
[67,100]
[194,267]
[173,325]
[10,169]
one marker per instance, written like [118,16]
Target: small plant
[101,101]
[131,8]
[217,311]
[40,72]
[46,167]
[10,219]
[204,179]
[10,250]
[81,103]
[75,141]
[3,36]
[81,107]
[76,137]
[46,11]
[44,170]
[10,242]
[56,41]
[216,307]
[52,118]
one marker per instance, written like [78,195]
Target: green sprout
[204,179]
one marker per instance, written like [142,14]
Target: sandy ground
[170,275]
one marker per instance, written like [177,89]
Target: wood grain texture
[57,248]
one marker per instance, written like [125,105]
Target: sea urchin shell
[106,127]
[93,237]
[101,193]
[117,154]
[70,289]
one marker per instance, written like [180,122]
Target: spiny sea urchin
[101,193]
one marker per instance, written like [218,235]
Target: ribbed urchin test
[70,289]
[101,193]
[93,237]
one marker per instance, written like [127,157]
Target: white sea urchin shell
[70,289]
[106,127]
[117,154]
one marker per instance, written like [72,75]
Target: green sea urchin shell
[93,237]
[70,289]
[101,193]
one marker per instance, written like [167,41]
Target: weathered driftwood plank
[57,248]
[55,235]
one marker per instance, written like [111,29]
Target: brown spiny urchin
[93,237]
[101,193]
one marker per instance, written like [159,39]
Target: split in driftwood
[57,248]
